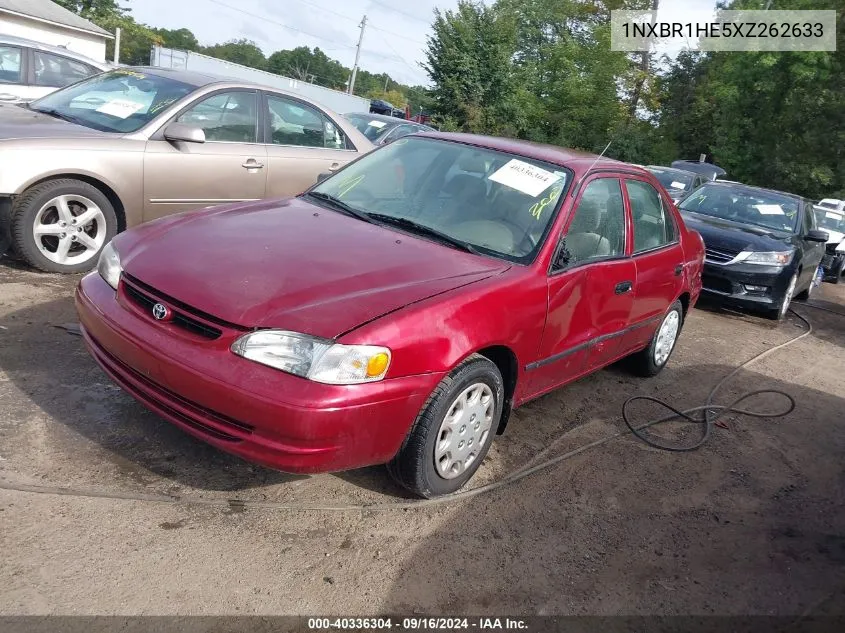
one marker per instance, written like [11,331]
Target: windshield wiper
[59,115]
[422,229]
[340,205]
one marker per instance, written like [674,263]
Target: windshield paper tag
[121,108]
[524,177]
[677,185]
[377,124]
[769,209]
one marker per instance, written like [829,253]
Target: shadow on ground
[752,523]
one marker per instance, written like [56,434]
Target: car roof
[752,189]
[58,50]
[576,160]
[380,117]
[674,170]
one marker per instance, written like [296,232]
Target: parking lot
[107,509]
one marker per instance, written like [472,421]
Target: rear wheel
[653,358]
[453,431]
[60,226]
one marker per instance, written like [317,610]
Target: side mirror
[815,235]
[323,176]
[183,132]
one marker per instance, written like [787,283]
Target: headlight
[109,266]
[775,258]
[314,358]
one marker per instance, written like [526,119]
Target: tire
[59,248]
[804,295]
[779,313]
[652,360]
[414,467]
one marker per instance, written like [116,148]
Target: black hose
[710,413]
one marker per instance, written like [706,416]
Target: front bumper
[256,412]
[732,284]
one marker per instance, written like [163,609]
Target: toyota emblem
[160,312]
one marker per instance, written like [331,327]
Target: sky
[394,38]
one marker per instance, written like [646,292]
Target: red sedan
[397,311]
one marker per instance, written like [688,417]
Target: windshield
[758,208]
[496,203]
[118,101]
[368,126]
[673,179]
[829,221]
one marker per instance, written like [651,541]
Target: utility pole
[116,45]
[357,55]
[386,78]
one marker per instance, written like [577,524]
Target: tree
[182,39]
[309,65]
[241,51]
[469,59]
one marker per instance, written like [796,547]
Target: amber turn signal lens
[377,364]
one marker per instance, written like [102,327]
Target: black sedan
[762,246]
[382,129]
[678,183]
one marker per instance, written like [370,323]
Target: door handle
[334,167]
[251,163]
[623,287]
[678,270]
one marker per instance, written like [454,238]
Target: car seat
[584,239]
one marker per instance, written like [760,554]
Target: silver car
[135,144]
[30,69]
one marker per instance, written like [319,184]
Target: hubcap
[666,336]
[69,229]
[787,299]
[464,430]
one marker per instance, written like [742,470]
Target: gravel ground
[752,523]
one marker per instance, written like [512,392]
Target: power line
[377,28]
[402,59]
[354,19]
[284,26]
[395,10]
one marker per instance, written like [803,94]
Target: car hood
[17,122]
[289,264]
[728,236]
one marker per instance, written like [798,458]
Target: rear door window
[10,64]
[57,71]
[653,226]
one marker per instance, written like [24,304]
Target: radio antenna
[599,157]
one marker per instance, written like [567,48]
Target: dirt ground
[151,521]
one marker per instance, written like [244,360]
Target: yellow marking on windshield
[162,105]
[536,209]
[349,184]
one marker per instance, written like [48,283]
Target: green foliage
[241,51]
[182,39]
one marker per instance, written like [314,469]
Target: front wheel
[453,431]
[60,226]
[653,358]
[779,314]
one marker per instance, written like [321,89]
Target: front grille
[718,284]
[164,396]
[719,256]
[194,321]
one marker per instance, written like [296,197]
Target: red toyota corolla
[397,311]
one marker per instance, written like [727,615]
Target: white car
[832,221]
[30,69]
[831,204]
